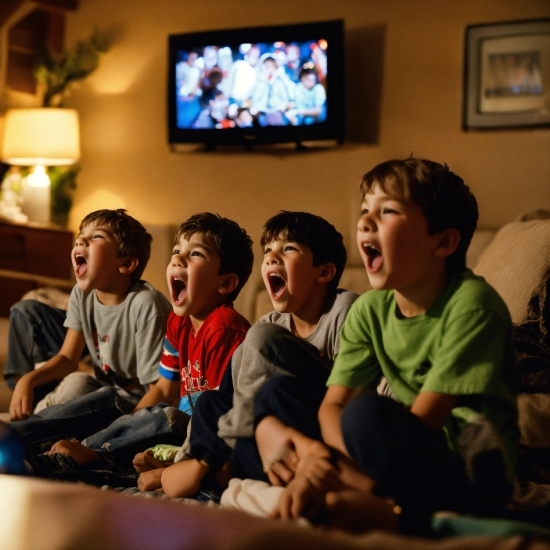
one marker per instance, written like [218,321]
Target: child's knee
[261,334]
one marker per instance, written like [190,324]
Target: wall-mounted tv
[276,84]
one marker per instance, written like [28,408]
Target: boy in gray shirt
[304,257]
[120,318]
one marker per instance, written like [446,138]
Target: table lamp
[40,138]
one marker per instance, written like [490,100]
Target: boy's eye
[98,236]
[364,211]
[267,250]
[197,253]
[389,211]
[175,251]
[290,247]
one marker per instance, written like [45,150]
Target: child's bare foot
[144,462]
[81,453]
[183,479]
[358,511]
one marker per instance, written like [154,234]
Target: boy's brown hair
[133,239]
[322,238]
[232,243]
[443,197]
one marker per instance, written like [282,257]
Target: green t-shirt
[461,346]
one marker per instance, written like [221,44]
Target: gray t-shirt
[124,341]
[249,375]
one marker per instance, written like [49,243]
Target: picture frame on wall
[507,75]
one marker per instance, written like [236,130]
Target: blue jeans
[36,334]
[78,418]
[134,433]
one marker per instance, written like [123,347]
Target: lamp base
[35,203]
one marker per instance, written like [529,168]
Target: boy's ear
[129,265]
[327,273]
[229,283]
[447,243]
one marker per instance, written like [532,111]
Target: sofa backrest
[516,262]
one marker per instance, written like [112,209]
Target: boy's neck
[305,321]
[114,295]
[413,302]
[197,322]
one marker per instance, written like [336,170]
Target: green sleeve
[356,365]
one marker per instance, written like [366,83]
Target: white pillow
[517,262]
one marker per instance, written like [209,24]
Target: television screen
[265,85]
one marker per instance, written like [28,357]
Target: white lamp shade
[41,136]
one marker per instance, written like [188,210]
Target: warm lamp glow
[38,177]
[39,138]
[48,137]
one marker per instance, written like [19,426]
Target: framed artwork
[507,75]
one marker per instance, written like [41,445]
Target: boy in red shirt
[211,261]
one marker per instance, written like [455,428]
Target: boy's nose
[271,258]
[365,223]
[177,260]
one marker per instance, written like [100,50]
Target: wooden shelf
[35,29]
[32,256]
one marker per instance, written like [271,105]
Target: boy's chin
[280,307]
[180,311]
[83,284]
[377,283]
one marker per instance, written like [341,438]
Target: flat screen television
[276,84]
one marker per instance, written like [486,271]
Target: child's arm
[59,366]
[433,408]
[183,479]
[330,413]
[164,391]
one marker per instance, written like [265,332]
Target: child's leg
[128,435]
[78,418]
[134,433]
[36,334]
[294,402]
[72,386]
[359,511]
[408,460]
[204,443]
[269,351]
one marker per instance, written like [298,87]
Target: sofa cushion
[517,262]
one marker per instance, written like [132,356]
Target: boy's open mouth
[81,264]
[374,257]
[179,290]
[277,284]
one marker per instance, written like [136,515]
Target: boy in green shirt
[441,336]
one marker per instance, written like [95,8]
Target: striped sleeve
[169,361]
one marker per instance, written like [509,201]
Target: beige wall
[413,54]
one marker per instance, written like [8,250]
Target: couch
[46,514]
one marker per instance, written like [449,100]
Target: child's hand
[144,462]
[150,481]
[305,494]
[299,499]
[22,400]
[279,459]
[281,448]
